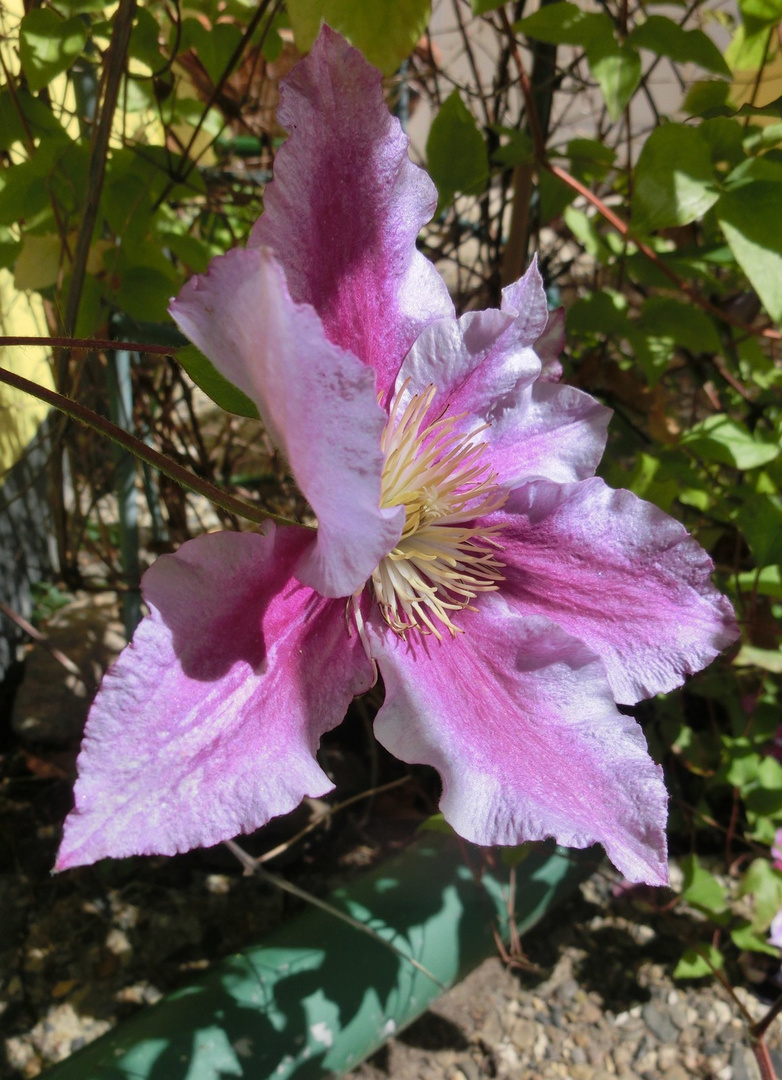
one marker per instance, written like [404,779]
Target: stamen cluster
[443,560]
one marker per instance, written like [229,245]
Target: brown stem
[759,1029]
[718,975]
[41,639]
[115,66]
[233,60]
[514,257]
[88,343]
[763,1058]
[145,453]
[252,866]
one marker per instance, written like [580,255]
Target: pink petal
[518,719]
[345,207]
[208,724]
[525,300]
[550,344]
[618,574]
[318,402]
[555,432]
[485,366]
[775,931]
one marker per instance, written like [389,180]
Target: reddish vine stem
[542,161]
[189,481]
[758,1030]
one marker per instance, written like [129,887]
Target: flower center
[443,560]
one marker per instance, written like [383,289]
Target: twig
[267,855]
[253,866]
[233,60]
[725,984]
[143,452]
[759,1029]
[115,66]
[41,639]
[87,343]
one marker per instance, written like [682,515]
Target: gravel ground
[593,998]
[602,1005]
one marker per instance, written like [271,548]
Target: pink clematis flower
[508,597]
[776,850]
[775,931]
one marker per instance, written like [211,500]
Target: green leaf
[9,250]
[751,219]
[437,824]
[724,136]
[456,152]
[215,46]
[481,7]
[766,582]
[696,749]
[764,884]
[20,112]
[48,45]
[767,659]
[688,326]
[765,168]
[749,47]
[590,159]
[216,386]
[144,41]
[720,439]
[768,11]
[701,889]
[143,293]
[674,179]
[516,150]
[585,231]
[514,856]
[617,69]
[705,95]
[666,324]
[744,937]
[26,189]
[693,964]
[760,519]
[567,24]
[193,254]
[666,38]
[741,769]
[81,7]
[764,799]
[600,313]
[555,195]
[386,31]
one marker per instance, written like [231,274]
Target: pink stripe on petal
[208,724]
[518,719]
[620,575]
[317,401]
[345,207]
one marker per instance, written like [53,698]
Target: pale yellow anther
[442,561]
